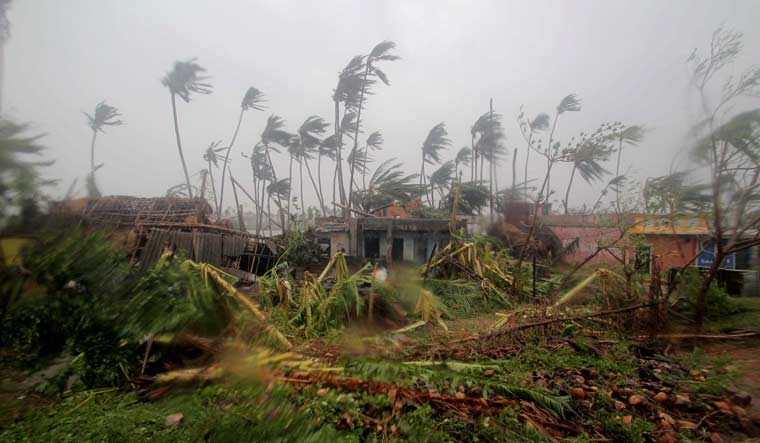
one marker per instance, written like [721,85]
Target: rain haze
[624,60]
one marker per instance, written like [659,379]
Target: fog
[625,60]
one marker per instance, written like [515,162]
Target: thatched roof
[123,211]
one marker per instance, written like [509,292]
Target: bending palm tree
[435,142]
[440,179]
[183,80]
[328,148]
[211,156]
[463,158]
[381,52]
[273,134]
[347,91]
[388,183]
[252,99]
[528,128]
[375,143]
[632,136]
[103,116]
[309,143]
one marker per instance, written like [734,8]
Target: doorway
[397,253]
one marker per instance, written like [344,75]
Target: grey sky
[625,60]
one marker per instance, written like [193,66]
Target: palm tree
[347,91]
[381,52]
[489,135]
[309,143]
[274,134]
[387,184]
[103,116]
[252,99]
[586,161]
[441,179]
[463,158]
[261,173]
[435,142]
[327,148]
[210,156]
[184,79]
[19,178]
[375,143]
[569,103]
[280,189]
[631,136]
[539,123]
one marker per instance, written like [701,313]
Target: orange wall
[674,250]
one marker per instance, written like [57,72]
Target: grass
[747,318]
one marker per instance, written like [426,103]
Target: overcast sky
[625,60]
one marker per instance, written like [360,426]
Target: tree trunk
[274,177]
[179,146]
[527,158]
[300,182]
[514,173]
[701,308]
[290,188]
[339,158]
[319,183]
[567,192]
[316,189]
[356,130]
[213,187]
[226,158]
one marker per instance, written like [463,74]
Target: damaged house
[144,227]
[386,238]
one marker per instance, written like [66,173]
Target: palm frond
[104,115]
[570,103]
[253,99]
[375,141]
[274,133]
[443,175]
[540,122]
[435,142]
[186,78]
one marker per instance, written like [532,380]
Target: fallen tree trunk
[511,329]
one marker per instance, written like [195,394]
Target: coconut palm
[19,179]
[587,155]
[272,136]
[103,116]
[253,99]
[435,142]
[381,52]
[463,158]
[347,91]
[441,179]
[279,189]
[210,156]
[631,136]
[261,173]
[185,79]
[327,148]
[309,143]
[569,103]
[528,128]
[361,163]
[489,136]
[387,184]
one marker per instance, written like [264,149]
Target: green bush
[718,302]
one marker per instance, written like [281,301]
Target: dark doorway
[397,254]
[372,247]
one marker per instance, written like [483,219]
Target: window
[643,258]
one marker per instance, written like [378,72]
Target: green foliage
[718,302]
[173,297]
[242,412]
[300,248]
